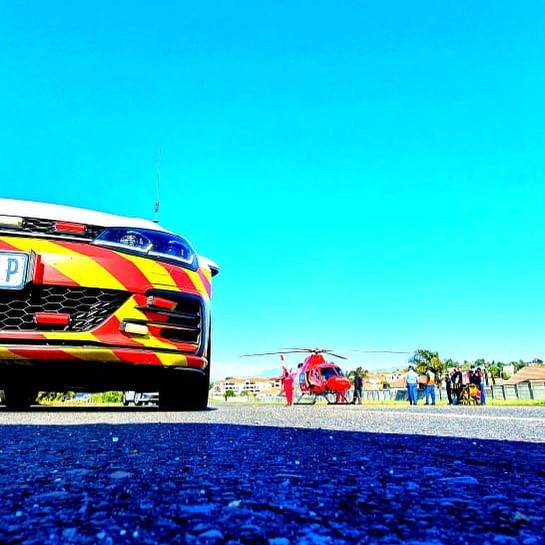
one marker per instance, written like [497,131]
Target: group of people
[412,380]
[455,381]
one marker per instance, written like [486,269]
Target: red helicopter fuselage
[318,376]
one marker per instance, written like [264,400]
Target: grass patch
[516,402]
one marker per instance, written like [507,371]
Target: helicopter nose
[338,384]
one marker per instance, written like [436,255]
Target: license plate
[13,267]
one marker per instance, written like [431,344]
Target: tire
[184,391]
[18,399]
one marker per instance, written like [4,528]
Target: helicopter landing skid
[309,398]
[331,398]
[305,399]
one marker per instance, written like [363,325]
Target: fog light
[134,329]
[11,221]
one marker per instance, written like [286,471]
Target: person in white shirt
[411,380]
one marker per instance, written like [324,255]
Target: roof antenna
[156,218]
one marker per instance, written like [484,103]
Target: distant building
[377,379]
[243,386]
[529,373]
[508,369]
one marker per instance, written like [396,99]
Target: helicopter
[316,377]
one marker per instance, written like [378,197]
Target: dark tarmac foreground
[273,475]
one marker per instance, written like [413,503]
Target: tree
[108,397]
[228,393]
[53,397]
[363,373]
[449,363]
[422,359]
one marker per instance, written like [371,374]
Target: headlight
[148,243]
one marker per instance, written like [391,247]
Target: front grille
[88,307]
[43,227]
[182,324]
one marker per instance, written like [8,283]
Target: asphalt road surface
[275,475]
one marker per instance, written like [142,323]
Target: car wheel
[18,399]
[185,390]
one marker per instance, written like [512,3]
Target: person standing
[287,383]
[477,378]
[448,386]
[411,381]
[340,396]
[286,380]
[457,384]
[430,386]
[358,387]
[484,384]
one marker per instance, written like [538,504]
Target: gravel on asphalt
[275,475]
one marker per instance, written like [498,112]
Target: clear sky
[369,175]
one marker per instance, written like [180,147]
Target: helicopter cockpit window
[328,372]
[314,377]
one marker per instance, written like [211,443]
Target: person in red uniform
[287,385]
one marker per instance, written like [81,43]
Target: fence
[522,390]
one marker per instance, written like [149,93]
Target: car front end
[92,302]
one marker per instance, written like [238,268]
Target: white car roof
[58,212]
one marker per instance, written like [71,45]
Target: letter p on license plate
[13,267]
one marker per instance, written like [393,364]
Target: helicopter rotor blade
[315,351]
[304,350]
[261,354]
[278,352]
[321,351]
[336,355]
[382,351]
[308,350]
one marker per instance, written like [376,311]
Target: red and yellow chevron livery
[92,301]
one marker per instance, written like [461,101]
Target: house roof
[527,373]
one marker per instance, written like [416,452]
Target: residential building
[245,386]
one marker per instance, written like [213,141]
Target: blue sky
[368,175]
